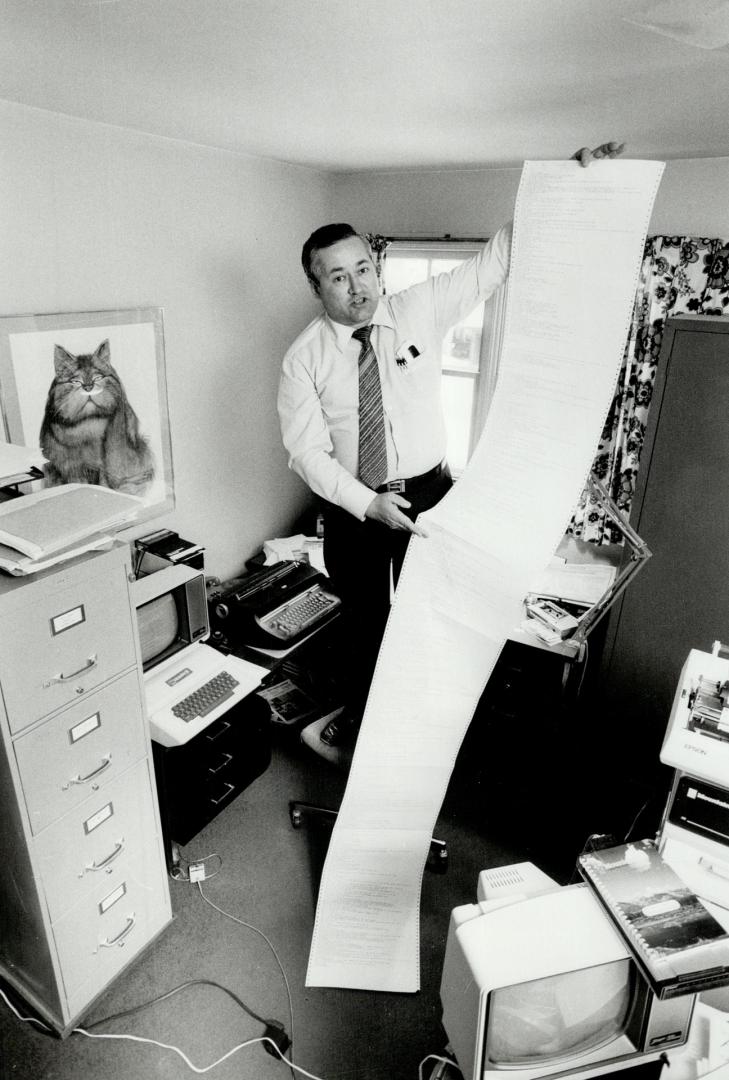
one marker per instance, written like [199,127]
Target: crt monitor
[172,613]
[543,987]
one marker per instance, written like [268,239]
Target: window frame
[484,379]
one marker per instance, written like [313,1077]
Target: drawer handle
[223,763]
[217,802]
[91,662]
[91,867]
[224,725]
[106,762]
[122,936]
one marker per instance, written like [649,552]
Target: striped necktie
[372,450]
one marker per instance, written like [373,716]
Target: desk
[199,779]
[579,553]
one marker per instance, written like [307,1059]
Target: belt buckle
[396,485]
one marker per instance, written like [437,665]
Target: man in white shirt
[367,528]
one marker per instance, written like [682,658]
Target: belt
[413,482]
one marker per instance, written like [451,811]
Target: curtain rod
[447,238]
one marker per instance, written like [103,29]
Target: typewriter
[274,607]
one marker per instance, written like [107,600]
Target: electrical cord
[181,866]
[635,820]
[199,1069]
[269,1044]
[585,662]
[249,926]
[171,993]
[25,1019]
[440,1075]
[241,1045]
[275,1040]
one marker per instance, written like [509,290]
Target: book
[39,524]
[168,545]
[678,943]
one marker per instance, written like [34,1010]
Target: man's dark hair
[323,238]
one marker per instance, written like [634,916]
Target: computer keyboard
[202,701]
[293,617]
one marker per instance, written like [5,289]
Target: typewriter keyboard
[303,611]
[208,697]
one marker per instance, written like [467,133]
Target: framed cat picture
[88,389]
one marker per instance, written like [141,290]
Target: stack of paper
[46,527]
[18,463]
[578,583]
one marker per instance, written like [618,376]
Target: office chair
[437,861]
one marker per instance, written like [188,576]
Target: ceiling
[386,84]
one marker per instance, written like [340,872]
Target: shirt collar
[343,334]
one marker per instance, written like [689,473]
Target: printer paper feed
[576,253]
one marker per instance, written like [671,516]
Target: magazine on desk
[680,946]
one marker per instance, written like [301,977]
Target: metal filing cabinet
[84,887]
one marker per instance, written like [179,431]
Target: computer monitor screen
[545,986]
[172,613]
[551,1018]
[158,625]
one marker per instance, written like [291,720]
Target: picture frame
[114,432]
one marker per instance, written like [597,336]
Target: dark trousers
[360,556]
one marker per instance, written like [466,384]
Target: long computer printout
[576,253]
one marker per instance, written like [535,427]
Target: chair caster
[436,862]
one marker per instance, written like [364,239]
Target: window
[468,358]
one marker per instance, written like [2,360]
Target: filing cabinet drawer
[65,642]
[107,928]
[85,886]
[64,760]
[97,841]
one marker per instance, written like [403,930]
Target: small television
[172,612]
[543,986]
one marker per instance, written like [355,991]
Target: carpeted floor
[268,878]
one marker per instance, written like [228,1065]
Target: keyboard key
[298,614]
[206,698]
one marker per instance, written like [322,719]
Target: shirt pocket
[413,368]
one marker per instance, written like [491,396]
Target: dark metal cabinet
[680,600]
[198,780]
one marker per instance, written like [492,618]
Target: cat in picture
[90,433]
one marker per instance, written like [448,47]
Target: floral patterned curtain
[679,276]
[379,245]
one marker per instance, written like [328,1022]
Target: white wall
[94,217]
[692,200]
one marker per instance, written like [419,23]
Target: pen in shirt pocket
[406,352]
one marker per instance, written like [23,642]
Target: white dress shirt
[318,397]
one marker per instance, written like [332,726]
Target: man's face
[347,280]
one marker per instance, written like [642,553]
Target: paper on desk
[298,547]
[19,565]
[582,583]
[50,520]
[576,253]
[16,460]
